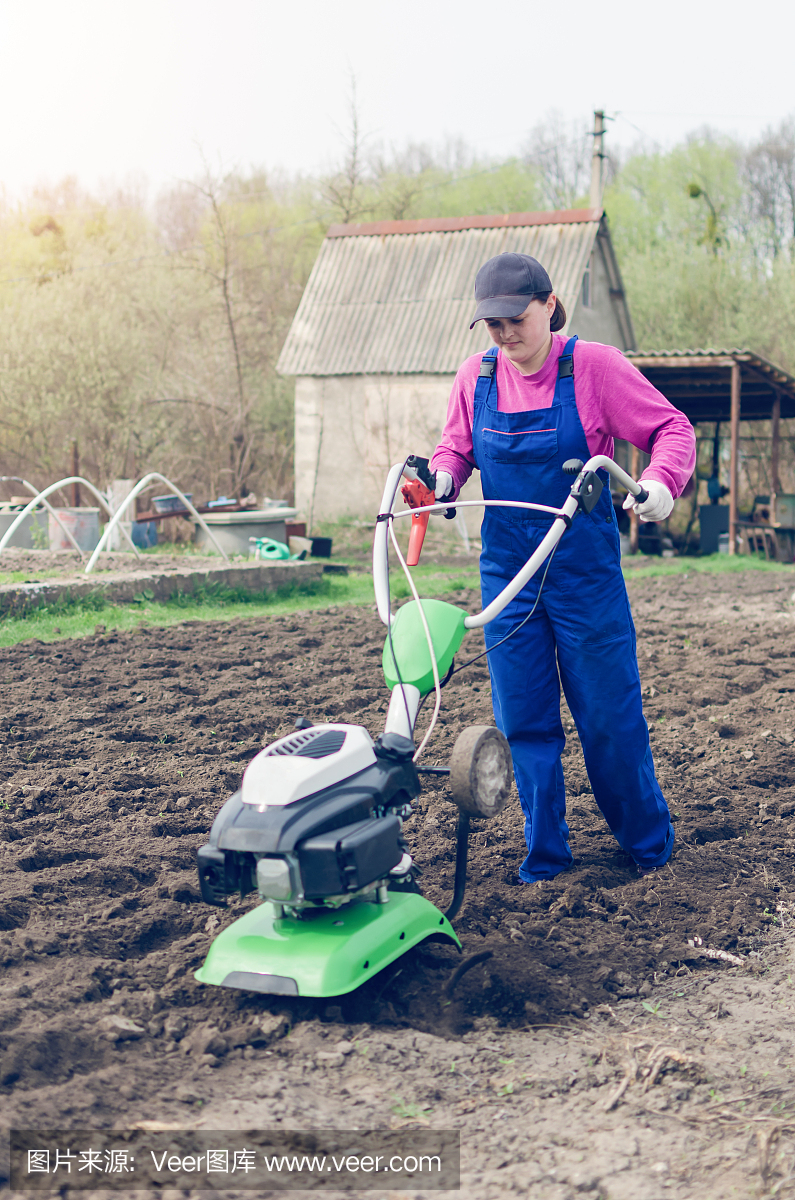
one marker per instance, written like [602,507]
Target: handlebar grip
[642,496]
[422,468]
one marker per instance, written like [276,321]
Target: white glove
[659,504]
[444,485]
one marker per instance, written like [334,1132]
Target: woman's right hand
[657,506]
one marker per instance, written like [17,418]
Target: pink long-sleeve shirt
[613,401]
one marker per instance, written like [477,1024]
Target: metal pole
[41,497]
[75,472]
[735,452]
[141,486]
[597,158]
[775,447]
[461,852]
[634,519]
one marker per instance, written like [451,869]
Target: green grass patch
[432,580]
[715,564]
[8,577]
[67,618]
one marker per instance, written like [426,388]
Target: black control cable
[454,669]
[511,632]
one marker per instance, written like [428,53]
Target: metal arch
[20,516]
[41,497]
[142,484]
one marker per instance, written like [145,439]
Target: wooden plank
[75,471]
[735,450]
[597,156]
[634,519]
[672,363]
[775,450]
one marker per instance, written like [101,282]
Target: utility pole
[597,159]
[75,471]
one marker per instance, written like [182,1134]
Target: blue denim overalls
[581,634]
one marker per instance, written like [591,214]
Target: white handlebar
[600,462]
[380,559]
[562,517]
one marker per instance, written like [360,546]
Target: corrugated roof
[709,355]
[395,297]
[699,382]
[562,216]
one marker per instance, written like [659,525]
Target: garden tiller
[316,828]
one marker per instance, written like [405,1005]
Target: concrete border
[16,599]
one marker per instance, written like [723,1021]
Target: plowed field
[118,751]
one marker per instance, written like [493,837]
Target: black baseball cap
[505,285]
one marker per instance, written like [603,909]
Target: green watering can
[275,551]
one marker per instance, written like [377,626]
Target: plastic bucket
[82,523]
[31,534]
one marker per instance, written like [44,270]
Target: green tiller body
[316,828]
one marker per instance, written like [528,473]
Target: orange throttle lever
[417,495]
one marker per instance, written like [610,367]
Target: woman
[517,413]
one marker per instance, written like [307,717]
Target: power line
[710,116]
[622,117]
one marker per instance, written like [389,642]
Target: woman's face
[525,339]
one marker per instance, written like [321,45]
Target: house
[383,325]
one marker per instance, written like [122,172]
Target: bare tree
[561,151]
[237,283]
[401,176]
[346,191]
[179,213]
[770,176]
[240,435]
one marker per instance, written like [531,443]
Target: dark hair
[558,318]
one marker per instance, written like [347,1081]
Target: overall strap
[485,378]
[566,360]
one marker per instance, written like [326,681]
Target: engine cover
[344,834]
[305,762]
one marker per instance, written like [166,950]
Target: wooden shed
[383,326]
[726,387]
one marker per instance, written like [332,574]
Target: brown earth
[118,751]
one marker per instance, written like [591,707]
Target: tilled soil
[118,751]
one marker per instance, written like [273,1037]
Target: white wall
[349,429]
[599,323]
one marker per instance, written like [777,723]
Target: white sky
[104,89]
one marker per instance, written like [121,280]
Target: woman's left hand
[659,504]
[444,485]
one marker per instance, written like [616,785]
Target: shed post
[634,519]
[775,447]
[735,449]
[75,471]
